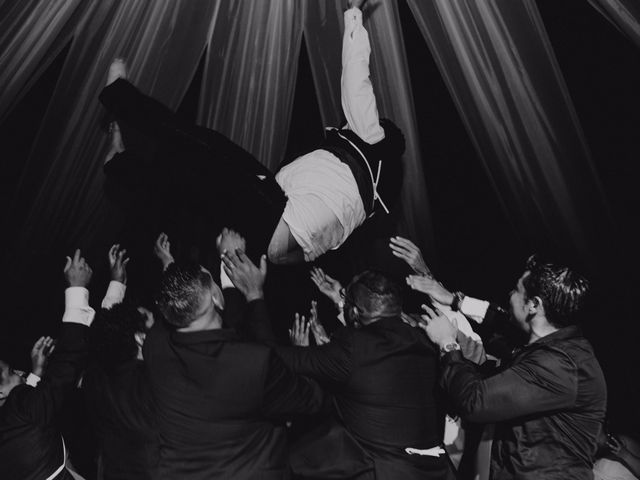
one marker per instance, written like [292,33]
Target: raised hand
[319,333]
[327,285]
[438,327]
[245,275]
[40,352]
[410,253]
[162,250]
[430,286]
[230,241]
[118,263]
[299,332]
[77,271]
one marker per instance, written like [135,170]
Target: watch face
[449,347]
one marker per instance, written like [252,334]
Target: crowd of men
[201,387]
[198,385]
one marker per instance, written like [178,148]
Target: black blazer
[30,438]
[222,404]
[383,377]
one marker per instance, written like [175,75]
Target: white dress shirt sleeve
[77,309]
[474,308]
[358,99]
[115,294]
[33,380]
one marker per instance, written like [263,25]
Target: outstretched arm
[358,100]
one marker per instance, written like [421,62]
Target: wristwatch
[450,347]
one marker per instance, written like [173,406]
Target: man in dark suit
[31,445]
[549,401]
[382,373]
[221,402]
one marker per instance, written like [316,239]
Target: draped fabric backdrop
[494,56]
[252,50]
[624,14]
[501,71]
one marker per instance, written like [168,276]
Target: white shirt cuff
[115,294]
[474,308]
[33,379]
[77,309]
[225,281]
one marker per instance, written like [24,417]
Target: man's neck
[539,331]
[203,323]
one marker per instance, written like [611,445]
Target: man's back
[388,401]
[219,405]
[383,377]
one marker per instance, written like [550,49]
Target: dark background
[477,250]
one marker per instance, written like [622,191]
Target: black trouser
[169,161]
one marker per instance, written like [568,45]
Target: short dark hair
[562,291]
[111,337]
[375,294]
[181,290]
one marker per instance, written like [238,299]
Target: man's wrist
[255,295]
[447,342]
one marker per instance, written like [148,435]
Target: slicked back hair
[562,291]
[375,295]
[182,289]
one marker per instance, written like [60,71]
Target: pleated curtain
[502,74]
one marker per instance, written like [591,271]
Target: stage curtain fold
[623,14]
[502,74]
[32,33]
[60,197]
[323,27]
[250,75]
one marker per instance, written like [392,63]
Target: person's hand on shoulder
[438,327]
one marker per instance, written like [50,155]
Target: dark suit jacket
[30,438]
[222,404]
[123,416]
[383,377]
[549,406]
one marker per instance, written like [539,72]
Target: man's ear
[535,305]
[218,297]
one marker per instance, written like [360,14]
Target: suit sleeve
[331,362]
[286,393]
[42,403]
[543,381]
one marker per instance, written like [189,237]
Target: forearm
[526,388]
[358,99]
